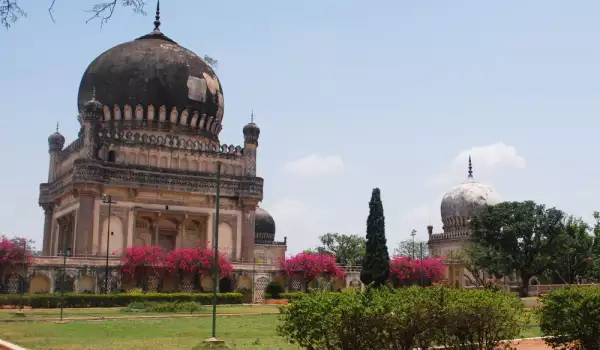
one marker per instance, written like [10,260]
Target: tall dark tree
[517,236]
[376,264]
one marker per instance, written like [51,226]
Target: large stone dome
[154,70]
[466,200]
[264,227]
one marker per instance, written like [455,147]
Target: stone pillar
[130,227]
[248,212]
[48,213]
[85,223]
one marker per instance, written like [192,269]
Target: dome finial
[57,126]
[470,168]
[157,17]
[252,117]
[94,93]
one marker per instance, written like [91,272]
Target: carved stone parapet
[192,145]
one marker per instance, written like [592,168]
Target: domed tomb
[153,70]
[466,200]
[264,227]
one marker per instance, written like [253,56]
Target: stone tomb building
[458,206]
[150,115]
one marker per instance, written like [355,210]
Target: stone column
[85,223]
[248,212]
[48,213]
[130,227]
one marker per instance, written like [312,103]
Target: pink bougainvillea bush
[197,260]
[137,260]
[13,251]
[311,266]
[406,271]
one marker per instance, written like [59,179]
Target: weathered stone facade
[149,144]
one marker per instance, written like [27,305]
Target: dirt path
[531,344]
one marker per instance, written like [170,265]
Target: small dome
[466,200]
[93,105]
[251,131]
[264,227]
[56,141]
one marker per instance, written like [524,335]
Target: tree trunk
[524,285]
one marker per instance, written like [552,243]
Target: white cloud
[489,158]
[315,166]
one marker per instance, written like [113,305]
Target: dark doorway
[226,285]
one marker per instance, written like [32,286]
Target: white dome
[466,200]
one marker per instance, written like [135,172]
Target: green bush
[472,317]
[275,288]
[114,300]
[571,317]
[406,318]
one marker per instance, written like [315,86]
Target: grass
[248,332]
[38,314]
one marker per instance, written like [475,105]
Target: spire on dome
[56,126]
[252,117]
[94,93]
[470,168]
[157,17]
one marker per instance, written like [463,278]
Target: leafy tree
[376,264]
[348,249]
[411,249]
[480,261]
[594,265]
[211,61]
[11,11]
[572,253]
[522,235]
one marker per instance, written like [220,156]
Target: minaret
[92,113]
[55,145]
[251,134]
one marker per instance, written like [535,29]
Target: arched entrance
[226,285]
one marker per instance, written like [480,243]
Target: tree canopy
[11,11]
[517,236]
[411,249]
[348,249]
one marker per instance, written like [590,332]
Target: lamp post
[216,257]
[413,234]
[107,199]
[421,269]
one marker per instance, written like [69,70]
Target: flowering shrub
[137,259]
[197,260]
[407,271]
[13,252]
[311,265]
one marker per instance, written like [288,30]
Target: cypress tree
[376,264]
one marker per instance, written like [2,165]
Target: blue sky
[349,96]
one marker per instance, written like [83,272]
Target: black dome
[153,70]
[264,227]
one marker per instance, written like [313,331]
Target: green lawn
[117,312]
[247,332]
[241,332]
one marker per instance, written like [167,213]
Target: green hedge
[113,300]
[293,295]
[570,317]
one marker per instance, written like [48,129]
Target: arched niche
[115,243]
[167,233]
[39,284]
[194,234]
[226,238]
[86,284]
[143,234]
[244,282]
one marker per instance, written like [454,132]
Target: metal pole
[107,245]
[23,275]
[253,278]
[413,233]
[216,261]
[64,275]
